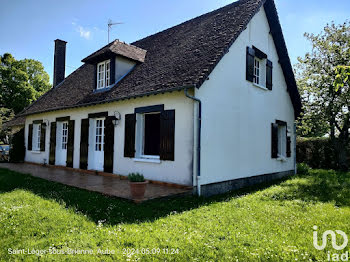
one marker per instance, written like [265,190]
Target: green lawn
[266,223]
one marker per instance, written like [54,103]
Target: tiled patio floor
[108,185]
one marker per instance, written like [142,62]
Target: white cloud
[84,33]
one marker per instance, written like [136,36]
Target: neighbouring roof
[179,57]
[17,121]
[118,48]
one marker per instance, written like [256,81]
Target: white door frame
[61,143]
[96,144]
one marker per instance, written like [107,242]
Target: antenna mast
[110,24]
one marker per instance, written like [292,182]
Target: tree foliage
[5,115]
[324,87]
[21,82]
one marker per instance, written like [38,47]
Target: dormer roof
[116,48]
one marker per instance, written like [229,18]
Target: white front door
[61,143]
[97,159]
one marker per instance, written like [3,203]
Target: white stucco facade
[122,67]
[236,121]
[237,115]
[178,171]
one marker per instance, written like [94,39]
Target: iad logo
[331,233]
[333,237]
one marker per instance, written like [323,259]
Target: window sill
[103,89]
[282,158]
[147,160]
[260,86]
[36,151]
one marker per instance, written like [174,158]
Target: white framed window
[148,135]
[36,137]
[108,73]
[257,71]
[99,135]
[258,68]
[64,135]
[282,141]
[103,74]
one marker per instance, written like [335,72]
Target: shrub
[303,169]
[136,177]
[317,152]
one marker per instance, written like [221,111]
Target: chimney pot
[59,62]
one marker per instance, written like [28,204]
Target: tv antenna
[110,24]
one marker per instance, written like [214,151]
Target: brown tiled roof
[119,48]
[179,57]
[16,121]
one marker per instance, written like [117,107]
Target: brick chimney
[59,62]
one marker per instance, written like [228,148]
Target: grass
[265,223]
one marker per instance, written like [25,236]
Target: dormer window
[103,74]
[118,59]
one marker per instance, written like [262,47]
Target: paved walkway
[108,185]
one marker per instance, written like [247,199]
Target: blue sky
[28,28]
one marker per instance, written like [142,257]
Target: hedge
[317,153]
[17,149]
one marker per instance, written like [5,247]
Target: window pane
[64,135]
[152,134]
[101,76]
[256,71]
[282,129]
[99,134]
[38,137]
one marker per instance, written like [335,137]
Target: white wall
[122,67]
[237,116]
[178,171]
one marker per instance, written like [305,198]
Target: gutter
[199,127]
[103,101]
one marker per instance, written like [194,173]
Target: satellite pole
[110,24]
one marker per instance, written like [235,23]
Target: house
[209,103]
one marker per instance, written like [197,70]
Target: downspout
[295,148]
[198,160]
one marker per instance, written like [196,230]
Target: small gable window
[256,71]
[258,68]
[103,74]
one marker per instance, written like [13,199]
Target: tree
[21,82]
[5,115]
[324,88]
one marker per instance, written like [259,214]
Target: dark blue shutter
[109,144]
[84,143]
[167,135]
[42,136]
[129,139]
[70,143]
[30,137]
[250,64]
[269,74]
[52,155]
[289,142]
[274,140]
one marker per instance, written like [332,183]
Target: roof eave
[112,100]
